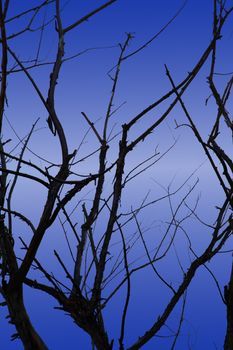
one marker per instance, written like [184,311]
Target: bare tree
[91,207]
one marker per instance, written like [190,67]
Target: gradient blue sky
[85,86]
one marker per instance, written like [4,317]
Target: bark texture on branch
[228,345]
[19,317]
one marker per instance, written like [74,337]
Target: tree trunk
[228,345]
[96,332]
[19,317]
[85,318]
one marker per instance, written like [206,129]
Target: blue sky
[84,85]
